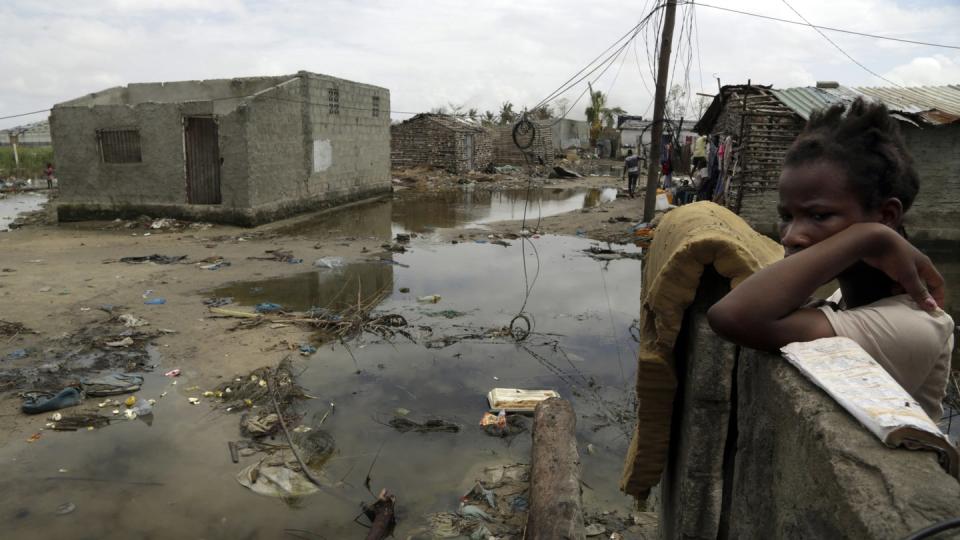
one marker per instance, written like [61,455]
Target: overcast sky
[476,54]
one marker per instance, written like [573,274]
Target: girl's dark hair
[867,143]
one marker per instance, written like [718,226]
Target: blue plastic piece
[156,301]
[268,307]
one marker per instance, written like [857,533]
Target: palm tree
[610,115]
[507,116]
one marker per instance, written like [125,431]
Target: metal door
[468,150]
[201,141]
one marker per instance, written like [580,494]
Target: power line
[845,53]
[831,29]
[24,114]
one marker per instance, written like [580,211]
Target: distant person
[48,171]
[699,154]
[631,169]
[666,166]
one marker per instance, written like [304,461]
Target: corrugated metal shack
[439,140]
[763,122]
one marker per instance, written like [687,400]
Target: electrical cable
[845,53]
[945,525]
[829,28]
[24,114]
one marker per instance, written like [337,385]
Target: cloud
[428,53]
[927,71]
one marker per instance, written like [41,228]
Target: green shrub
[33,161]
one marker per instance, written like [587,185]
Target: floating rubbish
[194,400]
[268,307]
[479,241]
[218,301]
[34,438]
[581,231]
[125,342]
[141,407]
[329,262]
[404,425]
[518,400]
[306,348]
[132,321]
[111,384]
[130,401]
[404,289]
[173,373]
[429,299]
[68,397]
[65,508]
[155,301]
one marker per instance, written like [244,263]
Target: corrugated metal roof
[806,99]
[930,104]
[922,98]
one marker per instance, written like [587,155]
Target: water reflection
[420,212]
[334,289]
[12,206]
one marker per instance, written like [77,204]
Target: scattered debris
[561,172]
[329,262]
[125,342]
[601,254]
[132,321]
[432,425]
[111,384]
[155,301]
[279,255]
[155,259]
[518,400]
[8,328]
[429,299]
[268,307]
[218,301]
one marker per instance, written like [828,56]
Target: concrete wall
[282,150]
[935,215]
[757,451]
[936,212]
[569,133]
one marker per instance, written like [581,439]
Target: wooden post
[555,506]
[659,103]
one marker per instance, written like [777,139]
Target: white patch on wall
[322,155]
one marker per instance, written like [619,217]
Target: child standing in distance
[846,183]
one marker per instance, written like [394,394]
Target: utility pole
[659,103]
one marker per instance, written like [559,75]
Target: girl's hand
[902,262]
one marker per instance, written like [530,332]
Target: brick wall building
[764,123]
[242,151]
[506,152]
[439,140]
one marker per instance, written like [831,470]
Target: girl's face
[816,202]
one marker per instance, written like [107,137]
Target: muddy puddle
[13,205]
[424,212]
[175,478]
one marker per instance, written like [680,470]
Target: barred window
[376,105]
[333,99]
[119,145]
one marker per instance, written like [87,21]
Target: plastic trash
[18,354]
[581,232]
[132,321]
[663,202]
[155,301]
[306,348]
[329,262]
[68,397]
[429,299]
[172,373]
[268,307]
[141,407]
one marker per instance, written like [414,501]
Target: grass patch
[33,161]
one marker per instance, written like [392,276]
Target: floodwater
[13,205]
[417,212]
[175,478]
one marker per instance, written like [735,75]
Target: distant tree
[594,113]
[489,118]
[472,113]
[543,113]
[610,115]
[455,109]
[507,115]
[675,107]
[439,110]
[563,106]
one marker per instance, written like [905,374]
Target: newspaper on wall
[860,385]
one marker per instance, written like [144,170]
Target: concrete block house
[764,121]
[242,151]
[440,140]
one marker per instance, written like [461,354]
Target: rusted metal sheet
[201,141]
